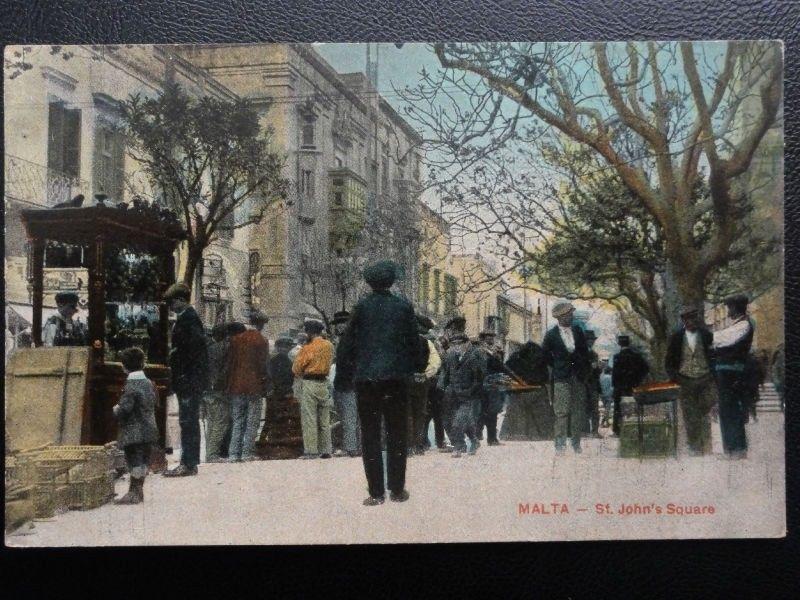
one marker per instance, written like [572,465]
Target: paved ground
[504,493]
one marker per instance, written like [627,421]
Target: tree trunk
[193,259]
[658,353]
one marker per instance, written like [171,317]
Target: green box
[658,438]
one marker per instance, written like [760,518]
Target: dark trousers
[189,420]
[435,414]
[385,401]
[463,424]
[732,410]
[137,457]
[417,417]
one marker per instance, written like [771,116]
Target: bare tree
[657,115]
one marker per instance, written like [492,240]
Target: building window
[64,140]
[308,124]
[226,226]
[424,285]
[109,163]
[450,293]
[436,291]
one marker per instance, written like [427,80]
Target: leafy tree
[208,160]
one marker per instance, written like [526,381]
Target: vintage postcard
[393,293]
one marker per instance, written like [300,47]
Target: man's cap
[339,317]
[257,316]
[424,323]
[485,334]
[562,308]
[457,322]
[284,341]
[313,327]
[623,339]
[381,275]
[67,298]
[739,301]
[178,290]
[234,327]
[689,309]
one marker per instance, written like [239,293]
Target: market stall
[129,255]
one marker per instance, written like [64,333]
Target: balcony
[36,184]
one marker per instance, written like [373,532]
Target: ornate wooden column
[36,276]
[97,299]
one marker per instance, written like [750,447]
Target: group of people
[386,377]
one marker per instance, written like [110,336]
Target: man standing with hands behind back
[188,362]
[380,351]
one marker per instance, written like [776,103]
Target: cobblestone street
[516,492]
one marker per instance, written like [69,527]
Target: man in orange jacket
[247,384]
[313,364]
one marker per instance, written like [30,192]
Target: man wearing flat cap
[312,365]
[731,347]
[188,362]
[379,352]
[60,329]
[567,354]
[344,399]
[689,363]
[628,371]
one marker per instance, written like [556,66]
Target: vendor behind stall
[60,329]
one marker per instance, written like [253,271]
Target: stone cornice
[59,78]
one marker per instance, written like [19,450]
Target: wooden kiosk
[102,230]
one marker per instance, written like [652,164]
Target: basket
[656,436]
[656,393]
[90,493]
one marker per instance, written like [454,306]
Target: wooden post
[168,275]
[97,300]
[37,287]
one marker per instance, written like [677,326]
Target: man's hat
[257,316]
[313,327]
[623,340]
[590,334]
[284,341]
[381,275]
[341,316]
[424,323]
[689,309]
[458,323]
[562,308]
[485,334]
[178,290]
[67,298]
[739,302]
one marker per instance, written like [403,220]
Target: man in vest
[731,346]
[688,362]
[60,329]
[567,354]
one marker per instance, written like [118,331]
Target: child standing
[135,412]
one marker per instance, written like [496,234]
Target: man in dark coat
[188,362]
[731,346]
[380,351]
[567,354]
[463,372]
[60,329]
[592,422]
[689,363]
[492,398]
[629,370]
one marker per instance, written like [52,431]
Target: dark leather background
[698,569]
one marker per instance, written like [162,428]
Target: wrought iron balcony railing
[27,181]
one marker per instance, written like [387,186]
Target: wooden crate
[19,507]
[658,440]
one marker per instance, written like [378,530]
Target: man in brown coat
[247,384]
